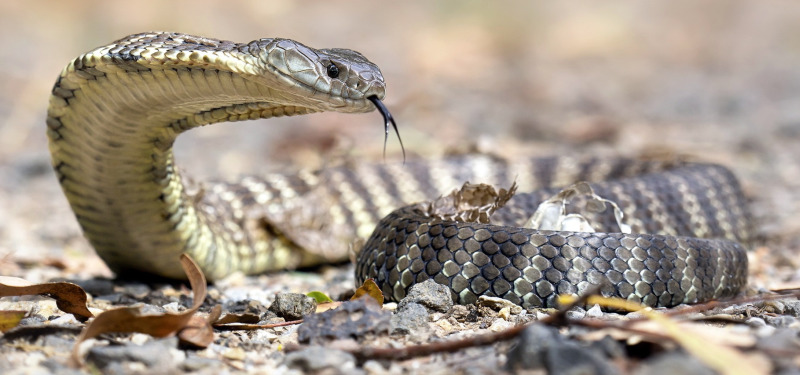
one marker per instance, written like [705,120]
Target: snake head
[334,79]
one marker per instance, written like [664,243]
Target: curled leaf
[129,319]
[70,298]
[198,332]
[371,289]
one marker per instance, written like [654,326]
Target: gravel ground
[714,82]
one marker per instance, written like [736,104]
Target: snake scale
[116,111]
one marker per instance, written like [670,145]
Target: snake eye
[333,70]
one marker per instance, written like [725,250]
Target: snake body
[116,111]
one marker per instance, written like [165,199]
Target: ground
[716,81]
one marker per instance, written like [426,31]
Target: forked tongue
[387,118]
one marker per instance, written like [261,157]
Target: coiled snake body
[116,111]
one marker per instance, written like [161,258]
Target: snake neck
[111,134]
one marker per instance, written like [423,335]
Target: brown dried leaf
[69,297]
[721,357]
[371,289]
[198,333]
[328,306]
[129,319]
[10,319]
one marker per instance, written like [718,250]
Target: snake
[116,111]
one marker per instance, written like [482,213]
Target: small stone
[573,359]
[504,313]
[412,318]
[543,348]
[576,314]
[194,363]
[444,325]
[793,308]
[173,307]
[755,322]
[675,362]
[390,306]
[235,354]
[465,314]
[529,353]
[293,306]
[246,306]
[65,320]
[594,312]
[432,295]
[781,321]
[158,353]
[351,320]
[317,358]
[500,325]
[498,304]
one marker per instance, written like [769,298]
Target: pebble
[576,314]
[498,304]
[793,308]
[235,354]
[246,306]
[500,325]
[674,362]
[352,320]
[412,318]
[157,353]
[543,348]
[293,306]
[755,322]
[317,358]
[781,321]
[430,294]
[505,313]
[195,363]
[594,312]
[65,320]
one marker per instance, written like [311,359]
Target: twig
[238,326]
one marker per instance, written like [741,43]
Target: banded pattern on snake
[116,111]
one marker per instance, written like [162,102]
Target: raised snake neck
[116,111]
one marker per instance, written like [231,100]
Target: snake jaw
[303,71]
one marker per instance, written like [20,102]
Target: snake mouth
[387,118]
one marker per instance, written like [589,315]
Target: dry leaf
[327,306]
[198,333]
[10,319]
[69,297]
[129,319]
[371,289]
[724,359]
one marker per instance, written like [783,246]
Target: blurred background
[717,81]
